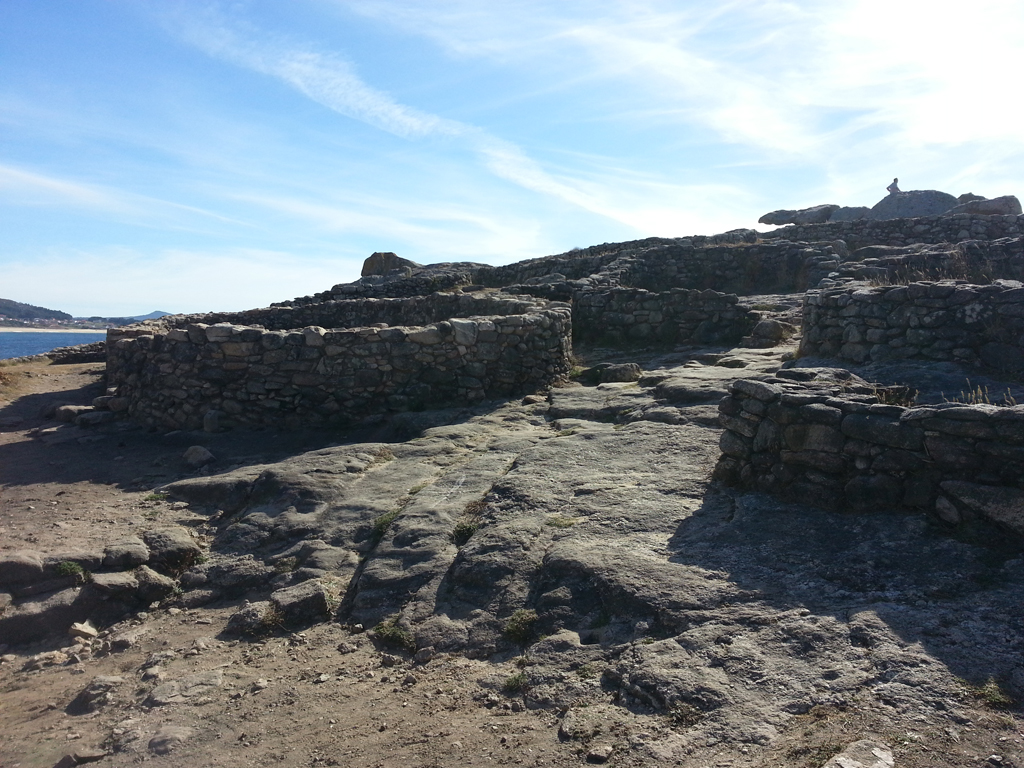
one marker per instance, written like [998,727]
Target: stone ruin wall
[181,373]
[272,372]
[930,321]
[926,229]
[354,313]
[634,316]
[838,447]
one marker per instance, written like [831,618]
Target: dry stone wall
[834,445]
[926,229]
[416,310]
[212,373]
[624,315]
[932,321]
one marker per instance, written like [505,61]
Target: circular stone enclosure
[282,366]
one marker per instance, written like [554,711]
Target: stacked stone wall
[744,269]
[931,321]
[632,315]
[838,447]
[926,229]
[175,376]
[416,310]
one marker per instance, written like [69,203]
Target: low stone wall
[932,321]
[175,377]
[926,229]
[624,315]
[744,269]
[836,446]
[416,310]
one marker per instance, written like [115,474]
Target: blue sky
[193,156]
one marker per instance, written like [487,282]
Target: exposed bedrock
[584,531]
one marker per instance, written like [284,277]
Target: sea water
[20,344]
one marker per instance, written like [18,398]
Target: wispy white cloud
[189,280]
[26,188]
[332,82]
[793,79]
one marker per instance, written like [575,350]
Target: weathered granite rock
[153,586]
[36,617]
[999,504]
[912,204]
[17,568]
[865,753]
[850,213]
[255,619]
[70,413]
[382,262]
[187,688]
[815,215]
[172,548]
[125,553]
[96,695]
[306,603]
[968,197]
[169,738]
[1007,205]
[198,456]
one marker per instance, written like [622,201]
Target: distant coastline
[23,329]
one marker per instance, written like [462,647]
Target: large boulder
[968,197]
[850,213]
[819,214]
[910,205]
[1007,205]
[382,262]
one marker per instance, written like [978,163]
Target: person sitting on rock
[893,188]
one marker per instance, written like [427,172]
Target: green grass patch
[558,521]
[464,531]
[990,694]
[520,626]
[382,523]
[156,497]
[516,683]
[390,633]
[70,568]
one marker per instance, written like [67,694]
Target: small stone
[197,456]
[166,739]
[600,754]
[260,684]
[89,754]
[84,630]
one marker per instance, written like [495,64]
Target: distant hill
[151,316]
[18,311]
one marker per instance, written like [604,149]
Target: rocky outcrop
[850,213]
[1007,205]
[815,215]
[912,205]
[382,262]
